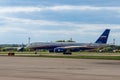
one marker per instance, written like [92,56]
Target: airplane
[69,47]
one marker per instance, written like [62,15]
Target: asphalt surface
[37,68]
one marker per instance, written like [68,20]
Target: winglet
[104,37]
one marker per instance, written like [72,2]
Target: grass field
[76,55]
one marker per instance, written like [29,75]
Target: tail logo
[103,37]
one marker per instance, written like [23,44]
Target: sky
[51,20]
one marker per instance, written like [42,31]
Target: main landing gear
[67,52]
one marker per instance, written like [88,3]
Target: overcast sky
[51,20]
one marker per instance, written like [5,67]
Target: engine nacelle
[59,49]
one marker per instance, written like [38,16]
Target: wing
[72,48]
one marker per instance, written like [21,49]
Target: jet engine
[59,49]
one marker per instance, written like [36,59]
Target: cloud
[18,9]
[83,8]
[46,23]
[45,30]
[11,20]
[40,28]
[11,29]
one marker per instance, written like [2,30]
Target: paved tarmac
[37,68]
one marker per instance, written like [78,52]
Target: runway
[37,68]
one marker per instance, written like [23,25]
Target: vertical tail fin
[103,38]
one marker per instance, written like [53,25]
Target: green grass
[78,55]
